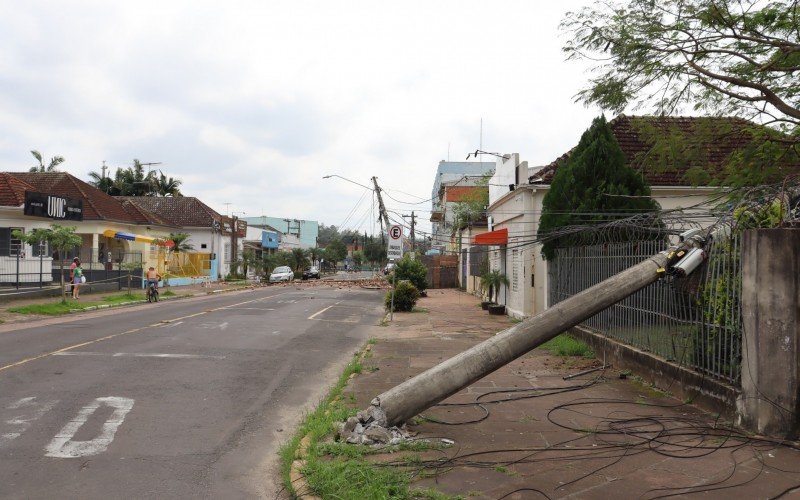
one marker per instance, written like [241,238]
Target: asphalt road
[180,399]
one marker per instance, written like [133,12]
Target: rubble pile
[377,283]
[368,427]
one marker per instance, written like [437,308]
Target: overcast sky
[251,103]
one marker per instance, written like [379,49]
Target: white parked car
[282,273]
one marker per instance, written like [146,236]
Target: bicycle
[152,292]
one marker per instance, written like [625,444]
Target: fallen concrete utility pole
[419,393]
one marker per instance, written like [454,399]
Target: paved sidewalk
[536,435]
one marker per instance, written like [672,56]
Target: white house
[515,207]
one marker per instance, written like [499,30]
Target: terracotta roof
[180,211]
[700,143]
[144,216]
[463,193]
[12,190]
[97,205]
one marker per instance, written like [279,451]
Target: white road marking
[250,308]
[4,328]
[319,312]
[350,318]
[170,324]
[62,446]
[22,422]
[137,355]
[223,325]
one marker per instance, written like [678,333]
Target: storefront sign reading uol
[52,206]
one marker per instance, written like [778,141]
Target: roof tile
[696,143]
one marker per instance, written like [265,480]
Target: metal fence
[694,321]
[20,271]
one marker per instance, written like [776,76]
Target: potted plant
[491,282]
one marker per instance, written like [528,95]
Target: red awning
[499,237]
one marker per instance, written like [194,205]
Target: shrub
[413,271]
[405,296]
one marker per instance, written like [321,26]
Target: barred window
[41,249]
[9,246]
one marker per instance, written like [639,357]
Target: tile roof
[12,190]
[180,211]
[144,216]
[699,143]
[97,205]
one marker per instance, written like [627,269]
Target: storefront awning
[499,237]
[110,233]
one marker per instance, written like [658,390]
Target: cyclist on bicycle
[152,277]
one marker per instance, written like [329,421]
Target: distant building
[304,232]
[453,182]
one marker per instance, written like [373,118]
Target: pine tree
[586,189]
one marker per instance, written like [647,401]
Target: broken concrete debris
[368,427]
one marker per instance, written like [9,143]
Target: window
[41,249]
[515,265]
[9,246]
[203,245]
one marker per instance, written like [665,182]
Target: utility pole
[413,222]
[381,207]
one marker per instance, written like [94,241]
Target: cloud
[251,103]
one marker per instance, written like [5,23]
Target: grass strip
[59,308]
[340,470]
[565,345]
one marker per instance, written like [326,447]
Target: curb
[296,477]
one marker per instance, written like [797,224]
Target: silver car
[282,273]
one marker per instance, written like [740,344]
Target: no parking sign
[394,250]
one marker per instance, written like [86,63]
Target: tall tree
[104,184]
[51,167]
[375,251]
[166,186]
[133,181]
[579,193]
[60,238]
[336,251]
[724,56]
[299,259]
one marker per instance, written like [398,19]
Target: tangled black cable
[620,435]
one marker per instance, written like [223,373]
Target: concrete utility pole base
[438,383]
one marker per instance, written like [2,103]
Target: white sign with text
[394,250]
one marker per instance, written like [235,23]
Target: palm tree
[315,254]
[181,241]
[491,282]
[166,186]
[104,184]
[299,259]
[51,167]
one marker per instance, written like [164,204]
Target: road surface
[184,398]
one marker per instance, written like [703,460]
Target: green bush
[405,296]
[413,271]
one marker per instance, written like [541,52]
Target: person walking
[77,279]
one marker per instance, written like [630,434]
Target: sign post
[394,250]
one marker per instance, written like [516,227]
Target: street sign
[394,251]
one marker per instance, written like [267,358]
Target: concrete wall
[771,338]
